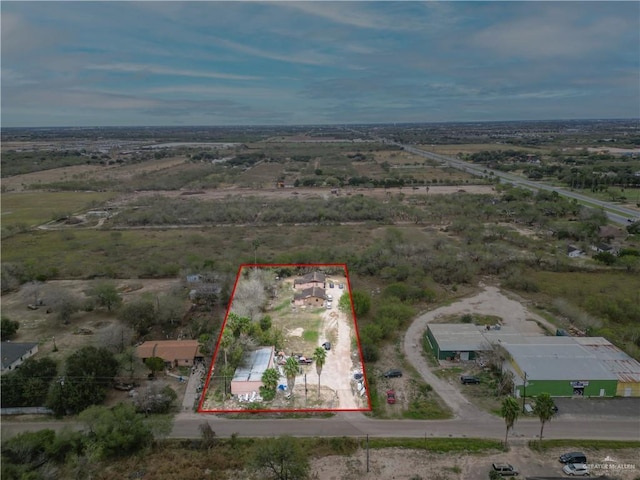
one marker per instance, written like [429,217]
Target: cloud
[162,70]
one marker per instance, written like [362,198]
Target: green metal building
[561,368]
[456,341]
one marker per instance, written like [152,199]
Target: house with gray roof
[14,354]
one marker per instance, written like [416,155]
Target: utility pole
[367,453]
[524,391]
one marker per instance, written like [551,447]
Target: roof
[547,359]
[615,360]
[13,351]
[311,292]
[458,337]
[254,364]
[169,350]
[310,277]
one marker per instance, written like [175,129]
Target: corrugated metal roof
[459,337]
[254,365]
[558,362]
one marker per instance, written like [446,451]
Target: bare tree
[250,295]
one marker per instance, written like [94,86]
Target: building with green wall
[561,368]
[456,341]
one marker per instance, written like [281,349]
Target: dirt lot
[397,464]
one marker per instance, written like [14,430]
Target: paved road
[358,425]
[616,213]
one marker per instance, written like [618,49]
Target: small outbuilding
[456,341]
[247,378]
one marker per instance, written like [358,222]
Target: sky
[174,63]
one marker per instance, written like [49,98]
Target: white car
[330,298]
[329,305]
[576,469]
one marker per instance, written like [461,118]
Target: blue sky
[277,63]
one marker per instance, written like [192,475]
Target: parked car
[469,379]
[330,298]
[573,457]
[341,285]
[331,285]
[576,469]
[329,305]
[505,469]
[358,376]
[393,373]
[326,345]
[391,397]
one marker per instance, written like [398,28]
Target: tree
[9,328]
[87,374]
[281,458]
[115,432]
[319,356]
[226,342]
[28,386]
[106,294]
[270,379]
[291,369]
[140,314]
[63,303]
[544,409]
[155,364]
[510,411]
[361,302]
[155,399]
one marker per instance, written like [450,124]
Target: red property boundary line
[224,324]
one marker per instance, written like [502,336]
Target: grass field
[35,208]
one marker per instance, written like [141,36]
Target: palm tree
[269,379]
[319,356]
[226,342]
[510,411]
[544,409]
[291,369]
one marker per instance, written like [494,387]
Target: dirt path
[337,370]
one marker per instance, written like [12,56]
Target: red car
[391,397]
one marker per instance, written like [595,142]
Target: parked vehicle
[393,373]
[331,285]
[330,298]
[329,305]
[391,397]
[576,469]
[302,360]
[326,345]
[469,379]
[505,469]
[341,285]
[573,457]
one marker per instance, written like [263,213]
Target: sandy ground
[397,464]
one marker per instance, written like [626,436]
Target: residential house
[312,297]
[14,354]
[175,353]
[314,279]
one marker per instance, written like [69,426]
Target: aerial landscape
[320,240]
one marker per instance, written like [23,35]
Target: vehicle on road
[505,469]
[393,373]
[576,469]
[469,379]
[391,397]
[573,457]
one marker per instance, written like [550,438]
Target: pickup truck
[302,360]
